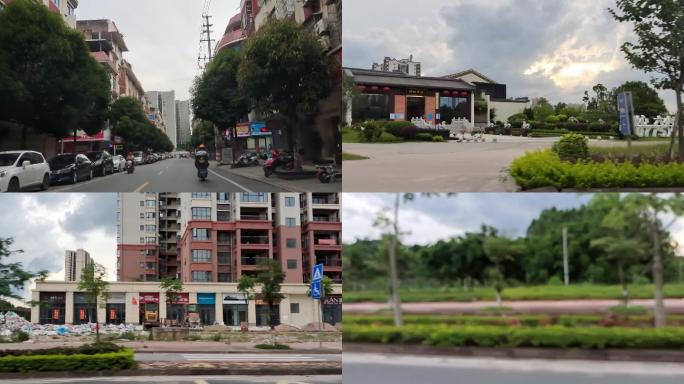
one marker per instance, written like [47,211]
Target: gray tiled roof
[393,79]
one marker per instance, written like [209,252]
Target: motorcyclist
[201,158]
[130,158]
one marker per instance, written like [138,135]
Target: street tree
[49,83]
[659,28]
[13,277]
[203,133]
[94,285]
[499,251]
[622,245]
[652,208]
[285,70]
[646,100]
[269,280]
[172,287]
[216,98]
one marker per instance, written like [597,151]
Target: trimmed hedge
[78,362]
[546,169]
[86,349]
[514,337]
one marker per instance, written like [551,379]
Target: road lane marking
[230,181]
[200,381]
[140,188]
[160,172]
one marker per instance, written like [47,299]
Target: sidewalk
[191,346]
[292,185]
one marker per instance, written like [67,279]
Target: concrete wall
[506,109]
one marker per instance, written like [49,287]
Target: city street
[400,369]
[171,175]
[190,380]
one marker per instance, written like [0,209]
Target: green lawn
[351,156]
[643,149]
[546,292]
[350,136]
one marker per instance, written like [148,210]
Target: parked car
[119,163]
[102,162]
[20,170]
[71,168]
[139,158]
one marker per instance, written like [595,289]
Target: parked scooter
[130,167]
[282,159]
[327,174]
[248,159]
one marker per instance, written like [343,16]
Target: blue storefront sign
[206,298]
[259,128]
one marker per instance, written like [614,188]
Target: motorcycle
[248,159]
[203,173]
[327,174]
[279,159]
[202,168]
[130,167]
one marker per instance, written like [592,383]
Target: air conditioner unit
[321,28]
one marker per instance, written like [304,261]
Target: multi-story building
[137,237]
[74,264]
[66,8]
[165,104]
[183,122]
[405,66]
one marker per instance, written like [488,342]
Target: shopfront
[234,309]
[116,308]
[255,136]
[84,311]
[175,310]
[263,314]
[206,306]
[332,309]
[149,307]
[52,307]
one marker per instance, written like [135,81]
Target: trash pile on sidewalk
[11,322]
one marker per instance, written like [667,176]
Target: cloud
[554,49]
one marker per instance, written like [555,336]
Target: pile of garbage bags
[11,322]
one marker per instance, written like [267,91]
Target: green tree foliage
[659,28]
[48,80]
[542,109]
[500,251]
[270,279]
[13,277]
[646,100]
[94,285]
[203,133]
[215,94]
[172,287]
[128,120]
[285,70]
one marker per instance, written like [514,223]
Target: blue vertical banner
[625,111]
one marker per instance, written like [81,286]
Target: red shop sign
[81,314]
[183,298]
[112,314]
[55,314]
[149,298]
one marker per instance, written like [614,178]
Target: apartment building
[183,122]
[165,104]
[66,8]
[74,264]
[217,237]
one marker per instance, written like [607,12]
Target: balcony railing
[249,260]
[253,217]
[254,239]
[325,241]
[326,219]
[329,261]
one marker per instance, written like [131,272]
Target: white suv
[20,170]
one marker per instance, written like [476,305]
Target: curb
[260,371]
[255,351]
[651,355]
[265,181]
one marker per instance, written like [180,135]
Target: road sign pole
[566,274]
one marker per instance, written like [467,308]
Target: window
[263,315]
[291,264]
[201,276]
[223,197]
[291,243]
[150,240]
[253,197]
[142,240]
[201,213]
[290,221]
[201,256]
[151,228]
[224,278]
[453,107]
[142,215]
[150,215]
[372,107]
[200,234]
[294,307]
[142,203]
[222,216]
[150,203]
[224,258]
[142,227]
[201,195]
[289,201]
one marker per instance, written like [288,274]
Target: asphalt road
[248,357]
[189,380]
[170,175]
[399,369]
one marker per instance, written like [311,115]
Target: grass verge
[351,156]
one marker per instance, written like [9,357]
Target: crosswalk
[249,357]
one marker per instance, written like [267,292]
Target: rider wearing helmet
[201,158]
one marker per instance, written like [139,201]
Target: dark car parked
[70,168]
[103,162]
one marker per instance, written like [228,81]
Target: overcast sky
[46,225]
[162,36]
[550,48]
[427,220]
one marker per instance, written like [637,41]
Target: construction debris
[11,322]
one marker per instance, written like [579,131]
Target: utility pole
[566,275]
[204,60]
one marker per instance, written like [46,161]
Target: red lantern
[446,93]
[362,88]
[375,88]
[386,89]
[464,93]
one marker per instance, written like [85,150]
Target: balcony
[254,240]
[255,217]
[329,261]
[253,260]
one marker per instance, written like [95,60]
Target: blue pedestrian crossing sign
[317,274]
[316,290]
